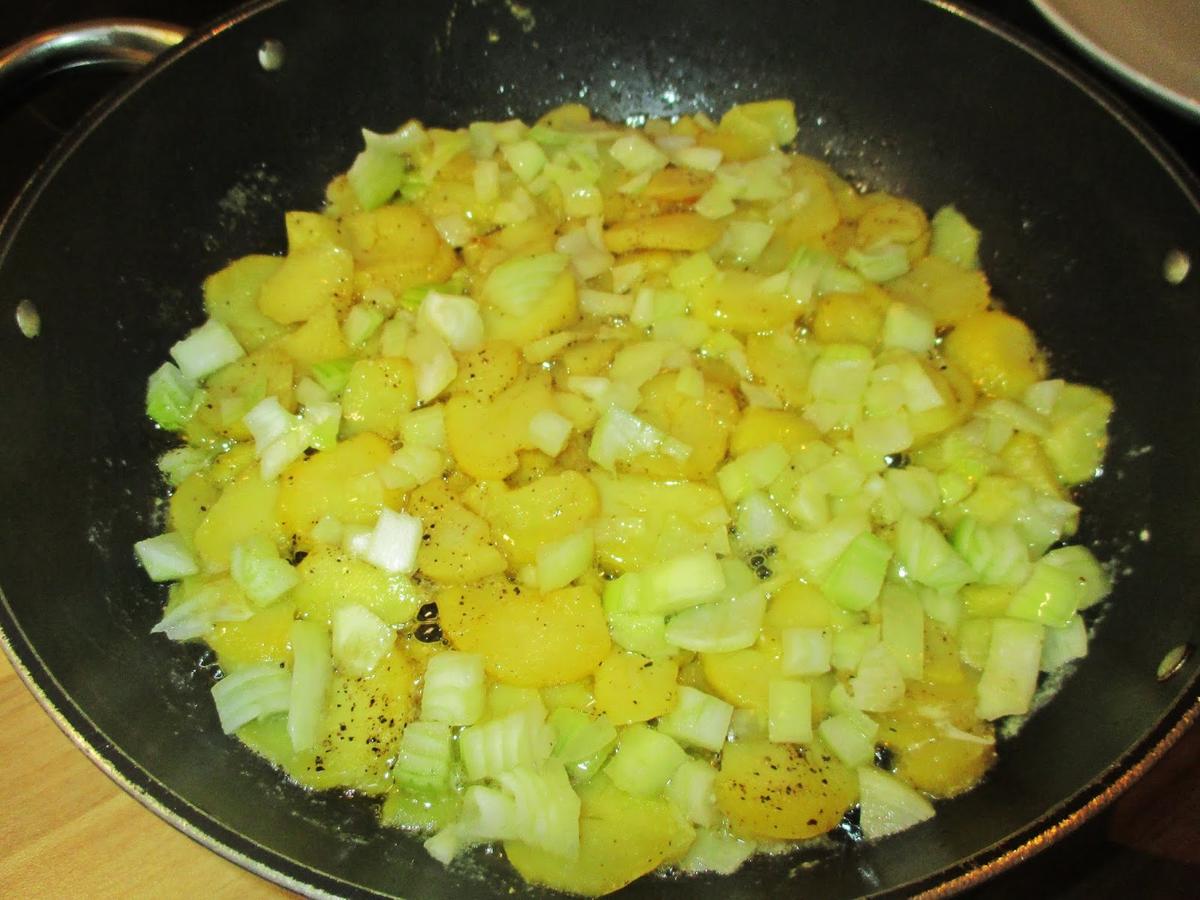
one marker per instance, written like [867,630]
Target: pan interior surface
[1077,214]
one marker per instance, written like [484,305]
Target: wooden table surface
[66,830]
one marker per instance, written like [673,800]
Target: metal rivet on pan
[1173,661]
[28,319]
[270,55]
[1176,266]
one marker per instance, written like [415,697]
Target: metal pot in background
[959,126]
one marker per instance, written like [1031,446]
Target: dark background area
[1146,845]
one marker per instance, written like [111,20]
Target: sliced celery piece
[730,624]
[1010,675]
[166,557]
[953,238]
[644,761]
[170,397]
[887,805]
[857,577]
[425,759]
[789,711]
[698,719]
[691,789]
[312,670]
[1050,596]
[454,690]
[251,693]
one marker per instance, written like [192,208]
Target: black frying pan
[192,167]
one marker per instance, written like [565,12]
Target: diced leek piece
[751,471]
[954,238]
[360,639]
[210,347]
[376,175]
[745,241]
[680,583]
[789,711]
[720,627]
[840,373]
[412,465]
[881,263]
[181,462]
[519,738]
[455,319]
[170,397]
[256,567]
[433,364]
[883,436]
[488,814]
[855,579]
[166,557]
[362,321]
[878,684]
[887,805]
[547,808]
[974,639]
[284,450]
[517,284]
[716,851]
[333,375]
[997,554]
[644,633]
[850,642]
[759,522]
[1078,433]
[420,814]
[394,542]
[706,159]
[560,563]
[312,670]
[525,158]
[1062,645]
[1010,676]
[251,693]
[805,651]
[1050,596]
[851,737]
[194,616]
[425,427]
[927,557]
[908,328]
[816,552]
[445,845]
[644,761]
[321,422]
[692,790]
[623,594]
[549,431]
[581,743]
[698,719]
[454,690]
[1077,561]
[902,620]
[637,155]
[621,436]
[425,758]
[716,202]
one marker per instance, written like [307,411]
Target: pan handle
[121,43]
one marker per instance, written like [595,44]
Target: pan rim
[268,863]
